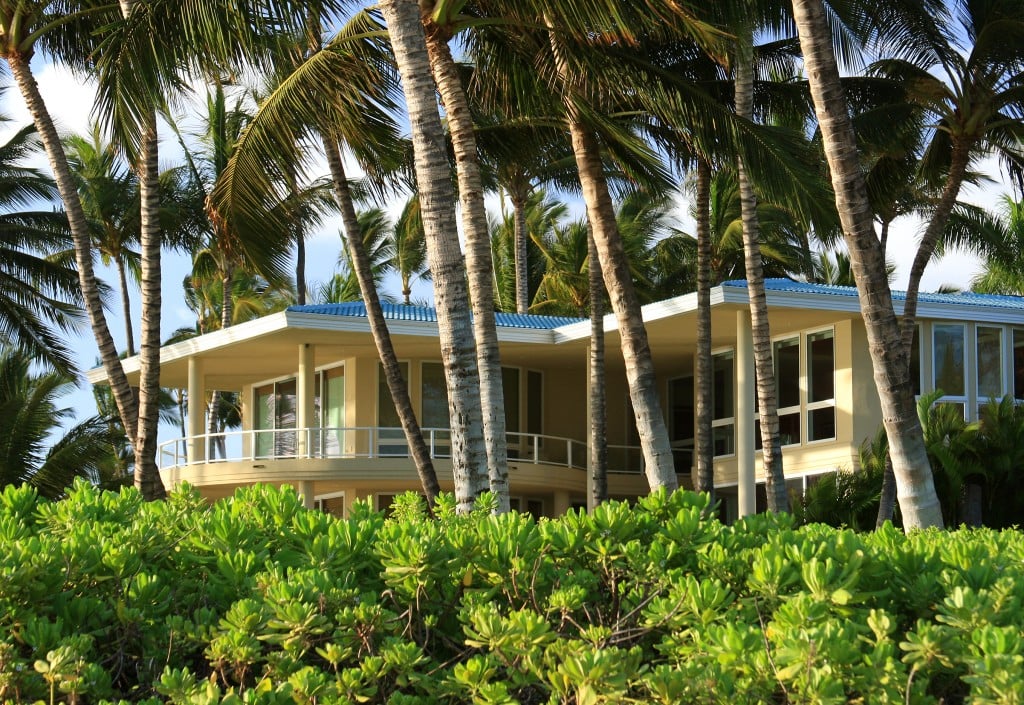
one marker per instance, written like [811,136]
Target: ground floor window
[723,400]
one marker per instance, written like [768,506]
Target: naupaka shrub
[255,599]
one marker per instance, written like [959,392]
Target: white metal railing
[373,442]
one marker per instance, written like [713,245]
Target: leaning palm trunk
[433,179]
[704,452]
[379,327]
[479,265]
[123,396]
[767,396]
[147,475]
[915,486]
[126,307]
[598,397]
[636,352]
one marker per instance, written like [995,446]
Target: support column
[196,443]
[306,492]
[746,389]
[561,503]
[306,397]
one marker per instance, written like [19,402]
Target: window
[915,361]
[510,387]
[723,428]
[681,421]
[534,402]
[390,437]
[331,416]
[949,363]
[274,420]
[990,363]
[1018,364]
[821,386]
[786,354]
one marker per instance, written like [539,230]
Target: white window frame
[964,398]
[805,382]
[980,399]
[725,421]
[801,391]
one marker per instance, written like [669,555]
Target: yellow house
[317,415]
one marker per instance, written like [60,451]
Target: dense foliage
[257,600]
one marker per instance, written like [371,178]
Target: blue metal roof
[962,299]
[426,314]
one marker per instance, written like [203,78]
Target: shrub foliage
[257,600]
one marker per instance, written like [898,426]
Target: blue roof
[426,314]
[965,298]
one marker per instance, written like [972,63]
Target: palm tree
[409,247]
[540,215]
[918,500]
[29,418]
[38,291]
[446,265]
[340,95]
[109,193]
[997,239]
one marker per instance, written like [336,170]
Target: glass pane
[334,405]
[534,402]
[722,386]
[680,410]
[990,368]
[915,362]
[949,358]
[821,424]
[1018,364]
[789,429]
[723,440]
[510,386]
[386,415]
[263,419]
[821,377]
[787,371]
[285,400]
[435,396]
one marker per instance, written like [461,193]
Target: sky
[70,102]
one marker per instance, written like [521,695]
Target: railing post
[536,449]
[433,445]
[568,453]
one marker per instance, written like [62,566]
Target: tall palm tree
[916,489]
[30,416]
[409,247]
[446,265]
[341,96]
[109,192]
[540,216]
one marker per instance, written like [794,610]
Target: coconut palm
[916,489]
[540,216]
[409,247]
[30,416]
[38,291]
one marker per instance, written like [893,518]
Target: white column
[306,393]
[196,443]
[306,492]
[746,388]
[561,501]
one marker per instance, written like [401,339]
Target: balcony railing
[375,442]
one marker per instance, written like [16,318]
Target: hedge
[255,599]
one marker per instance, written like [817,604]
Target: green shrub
[256,600]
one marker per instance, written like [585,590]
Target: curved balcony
[376,455]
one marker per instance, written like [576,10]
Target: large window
[681,421]
[275,419]
[949,362]
[990,363]
[723,425]
[391,438]
[786,354]
[1018,364]
[331,410]
[821,386]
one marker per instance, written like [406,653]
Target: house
[317,415]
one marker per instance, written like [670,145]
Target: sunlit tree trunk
[520,237]
[915,486]
[704,452]
[397,385]
[433,178]
[598,395]
[636,352]
[479,265]
[767,394]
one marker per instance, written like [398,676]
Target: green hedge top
[258,600]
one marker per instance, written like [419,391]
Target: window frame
[962,399]
[805,381]
[725,420]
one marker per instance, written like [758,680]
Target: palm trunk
[433,178]
[300,268]
[123,397]
[887,499]
[521,260]
[147,474]
[636,352]
[597,398]
[126,308]
[379,328]
[926,249]
[915,485]
[479,264]
[704,452]
[767,394]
